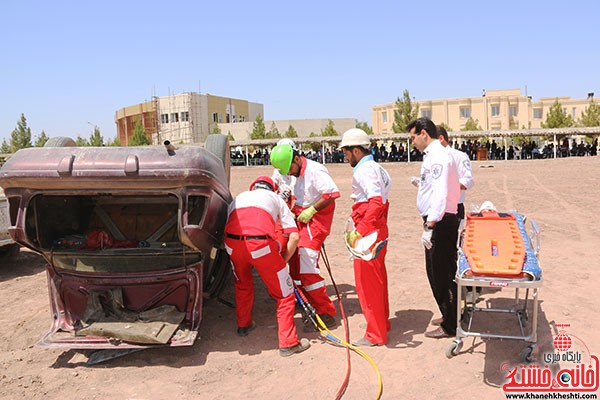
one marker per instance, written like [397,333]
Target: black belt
[246,237]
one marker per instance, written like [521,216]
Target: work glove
[415,180]
[307,214]
[352,237]
[426,238]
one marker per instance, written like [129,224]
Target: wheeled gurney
[497,251]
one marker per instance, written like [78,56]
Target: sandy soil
[560,194]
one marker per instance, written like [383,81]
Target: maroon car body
[141,224]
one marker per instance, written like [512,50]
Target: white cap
[355,137]
[287,141]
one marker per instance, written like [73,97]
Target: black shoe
[244,331]
[299,348]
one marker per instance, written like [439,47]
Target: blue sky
[68,65]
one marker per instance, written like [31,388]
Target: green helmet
[281,158]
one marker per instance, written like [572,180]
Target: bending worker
[250,241]
[315,194]
[437,201]
[370,188]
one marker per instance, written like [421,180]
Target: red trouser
[264,256]
[372,289]
[304,267]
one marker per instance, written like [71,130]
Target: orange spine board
[493,244]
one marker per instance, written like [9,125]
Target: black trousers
[440,263]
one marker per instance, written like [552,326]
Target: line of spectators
[397,152]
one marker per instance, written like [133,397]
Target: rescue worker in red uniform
[251,241]
[315,194]
[370,189]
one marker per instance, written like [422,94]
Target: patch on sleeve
[467,165]
[436,170]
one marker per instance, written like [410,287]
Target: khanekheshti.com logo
[570,369]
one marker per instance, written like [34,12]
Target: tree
[5,148]
[216,129]
[41,140]
[472,125]
[557,117]
[81,141]
[406,112]
[139,137]
[591,115]
[365,127]
[291,132]
[96,138]
[258,128]
[273,132]
[20,138]
[116,142]
[329,130]
[230,136]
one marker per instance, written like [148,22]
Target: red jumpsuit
[370,189]
[313,184]
[250,241]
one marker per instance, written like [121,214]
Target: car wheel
[219,145]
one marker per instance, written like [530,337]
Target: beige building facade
[183,118]
[494,110]
[303,127]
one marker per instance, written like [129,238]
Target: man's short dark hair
[364,150]
[423,123]
[442,132]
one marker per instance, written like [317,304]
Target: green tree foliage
[329,130]
[216,129]
[41,140]
[5,148]
[258,128]
[96,138]
[472,125]
[273,133]
[79,141]
[114,143]
[291,132]
[406,111]
[230,136]
[557,117]
[365,127]
[20,138]
[139,137]
[591,115]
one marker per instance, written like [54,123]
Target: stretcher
[497,251]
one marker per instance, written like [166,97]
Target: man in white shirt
[370,190]
[437,202]
[315,193]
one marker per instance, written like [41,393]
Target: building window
[384,117]
[185,116]
[174,117]
[574,112]
[220,118]
[495,111]
[215,117]
[537,113]
[164,118]
[465,112]
[426,113]
[513,111]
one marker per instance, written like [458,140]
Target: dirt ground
[560,194]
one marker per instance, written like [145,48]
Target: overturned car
[132,237]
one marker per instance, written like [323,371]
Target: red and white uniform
[313,183]
[370,189]
[250,241]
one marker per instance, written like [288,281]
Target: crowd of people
[397,152]
[280,224]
